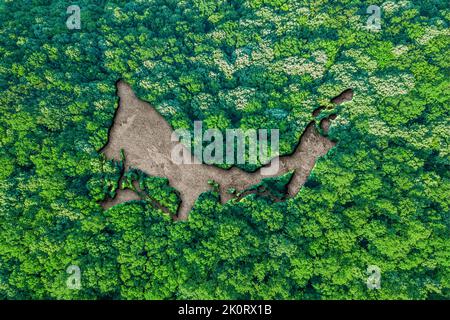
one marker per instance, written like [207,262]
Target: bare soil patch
[145,137]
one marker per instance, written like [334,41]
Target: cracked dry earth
[145,137]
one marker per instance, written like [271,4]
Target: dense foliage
[380,197]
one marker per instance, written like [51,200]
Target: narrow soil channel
[145,137]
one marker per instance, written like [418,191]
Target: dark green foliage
[275,188]
[155,190]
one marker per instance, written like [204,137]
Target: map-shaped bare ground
[145,137]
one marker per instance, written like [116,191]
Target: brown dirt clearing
[145,137]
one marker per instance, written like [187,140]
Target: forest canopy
[380,197]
